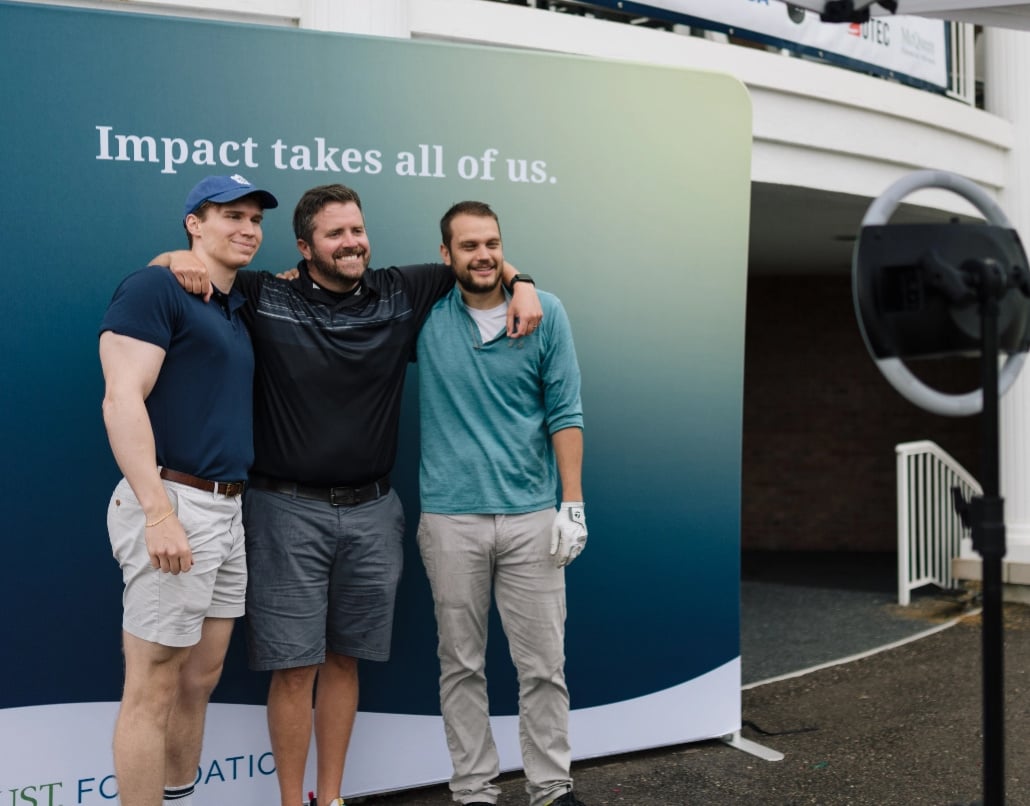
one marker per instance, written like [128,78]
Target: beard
[478,285]
[333,272]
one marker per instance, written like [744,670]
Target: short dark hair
[476,208]
[312,202]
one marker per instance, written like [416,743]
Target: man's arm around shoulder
[192,275]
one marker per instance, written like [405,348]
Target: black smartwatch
[520,278]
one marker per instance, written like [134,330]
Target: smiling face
[226,236]
[339,251]
[477,258]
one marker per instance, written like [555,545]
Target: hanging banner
[912,48]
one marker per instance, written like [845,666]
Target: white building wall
[1007,65]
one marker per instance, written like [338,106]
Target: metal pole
[989,539]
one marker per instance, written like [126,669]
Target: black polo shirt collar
[359,294]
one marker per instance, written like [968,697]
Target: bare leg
[335,707]
[289,727]
[197,680]
[151,679]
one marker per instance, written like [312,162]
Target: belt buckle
[342,497]
[230,489]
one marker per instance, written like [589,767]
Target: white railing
[930,532]
[962,62]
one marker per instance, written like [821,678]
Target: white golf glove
[569,533]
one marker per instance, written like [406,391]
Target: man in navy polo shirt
[177,406]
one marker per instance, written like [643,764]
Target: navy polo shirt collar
[230,302]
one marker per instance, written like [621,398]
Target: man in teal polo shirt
[501,425]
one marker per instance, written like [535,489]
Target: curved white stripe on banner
[62,753]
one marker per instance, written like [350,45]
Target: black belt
[228,488]
[336,496]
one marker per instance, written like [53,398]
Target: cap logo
[239,179]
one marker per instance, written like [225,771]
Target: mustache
[348,251]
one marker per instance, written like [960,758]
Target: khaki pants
[467,556]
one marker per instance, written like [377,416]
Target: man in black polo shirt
[324,528]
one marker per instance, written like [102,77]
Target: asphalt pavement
[900,725]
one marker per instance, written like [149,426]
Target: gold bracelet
[167,515]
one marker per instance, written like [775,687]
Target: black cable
[753,726]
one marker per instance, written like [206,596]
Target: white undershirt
[491,321]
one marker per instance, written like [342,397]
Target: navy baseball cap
[224,189]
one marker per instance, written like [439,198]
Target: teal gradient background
[642,234]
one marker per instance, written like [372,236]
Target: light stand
[985,515]
[952,289]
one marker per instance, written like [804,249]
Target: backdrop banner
[622,188]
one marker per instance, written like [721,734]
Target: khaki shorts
[169,609]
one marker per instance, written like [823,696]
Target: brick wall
[821,422]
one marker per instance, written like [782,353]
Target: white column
[1007,94]
[372,17]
